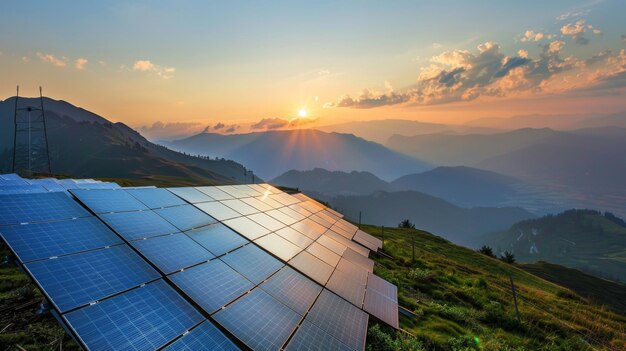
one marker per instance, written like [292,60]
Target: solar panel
[39,207]
[321,221]
[11,176]
[36,241]
[217,238]
[347,242]
[340,319]
[347,287]
[355,271]
[256,203]
[248,190]
[247,227]
[332,244]
[269,201]
[295,237]
[323,254]
[309,228]
[185,217]
[278,246]
[367,240]
[19,189]
[106,200]
[308,337]
[382,287]
[172,252]
[359,259]
[266,221]
[75,280]
[218,210]
[259,320]
[301,210]
[156,197]
[141,319]
[312,267]
[191,195]
[211,285]
[236,193]
[214,192]
[381,307]
[292,289]
[240,206]
[292,213]
[203,337]
[138,224]
[282,217]
[253,263]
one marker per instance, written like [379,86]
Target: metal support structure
[31,152]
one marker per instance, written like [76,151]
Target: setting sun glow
[302,113]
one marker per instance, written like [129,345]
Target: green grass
[463,301]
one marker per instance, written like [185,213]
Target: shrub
[508,257]
[407,224]
[487,251]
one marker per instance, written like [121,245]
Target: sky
[172,66]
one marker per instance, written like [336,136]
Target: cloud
[437,46]
[159,130]
[219,126]
[576,31]
[530,35]
[148,66]
[80,63]
[25,59]
[280,123]
[49,58]
[461,75]
[569,15]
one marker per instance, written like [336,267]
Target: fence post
[359,219]
[382,233]
[413,248]
[519,320]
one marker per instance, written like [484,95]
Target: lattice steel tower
[30,142]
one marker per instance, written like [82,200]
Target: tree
[508,257]
[486,250]
[406,224]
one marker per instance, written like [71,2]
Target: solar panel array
[192,268]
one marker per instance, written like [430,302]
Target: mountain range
[83,144]
[271,153]
[586,240]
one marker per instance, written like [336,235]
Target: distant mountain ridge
[462,186]
[586,240]
[83,144]
[271,153]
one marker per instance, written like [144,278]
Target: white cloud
[437,46]
[80,63]
[49,58]
[531,35]
[148,66]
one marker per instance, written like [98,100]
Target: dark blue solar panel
[138,224]
[106,200]
[203,337]
[185,217]
[340,319]
[74,280]
[191,195]
[11,176]
[292,289]
[39,207]
[218,238]
[42,240]
[308,337]
[259,320]
[211,285]
[172,252]
[21,189]
[141,319]
[253,263]
[156,197]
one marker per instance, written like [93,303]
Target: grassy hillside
[462,300]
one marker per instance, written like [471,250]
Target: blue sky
[242,61]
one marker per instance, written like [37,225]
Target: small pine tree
[406,224]
[486,250]
[508,257]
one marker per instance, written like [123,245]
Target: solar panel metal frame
[108,200]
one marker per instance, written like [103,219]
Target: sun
[302,113]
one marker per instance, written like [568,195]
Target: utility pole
[31,152]
[413,248]
[519,320]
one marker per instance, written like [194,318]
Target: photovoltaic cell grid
[203,337]
[38,207]
[285,209]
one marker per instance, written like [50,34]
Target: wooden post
[519,320]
